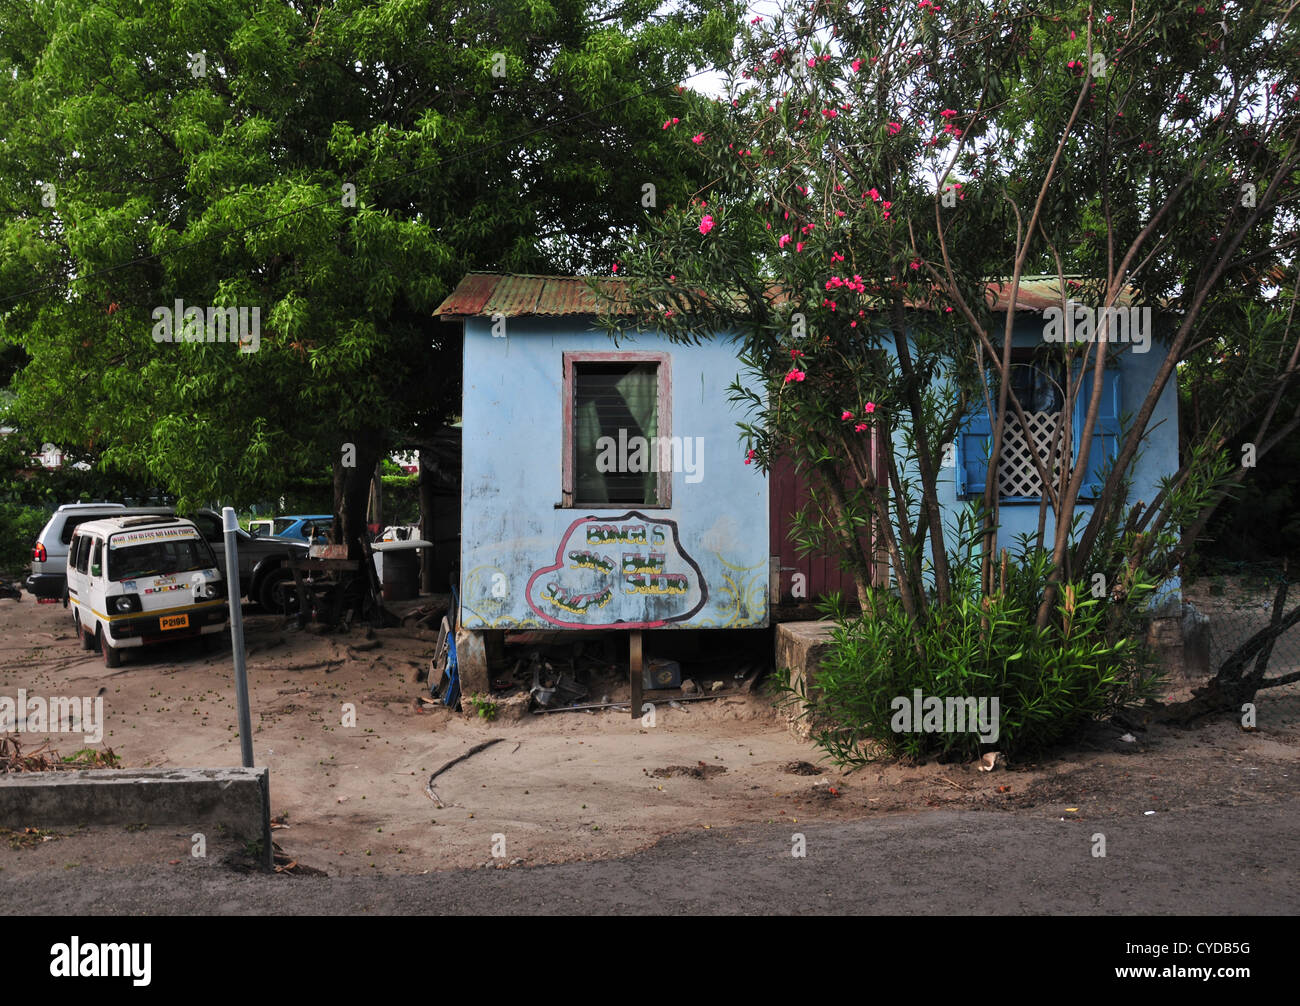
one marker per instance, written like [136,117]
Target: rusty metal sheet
[1039,292]
[470,295]
[513,296]
[518,295]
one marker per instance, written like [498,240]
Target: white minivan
[136,581]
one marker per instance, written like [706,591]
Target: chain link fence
[1238,598]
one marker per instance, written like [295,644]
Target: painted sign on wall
[630,571]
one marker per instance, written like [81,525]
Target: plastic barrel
[401,574]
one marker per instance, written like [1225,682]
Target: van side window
[96,558]
[83,553]
[72,553]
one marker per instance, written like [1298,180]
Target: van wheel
[87,640]
[112,657]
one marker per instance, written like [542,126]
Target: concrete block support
[473,664]
[237,798]
[800,647]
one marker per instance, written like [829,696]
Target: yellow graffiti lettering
[577,604]
[628,534]
[636,562]
[590,560]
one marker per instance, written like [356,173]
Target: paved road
[929,863]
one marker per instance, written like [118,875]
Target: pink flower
[875,195]
[857,65]
[948,113]
[706,224]
[671,122]
[812,61]
[846,414]
[870,408]
[698,138]
[749,456]
[894,127]
[783,240]
[616,268]
[916,263]
[860,427]
[798,246]
[668,314]
[795,375]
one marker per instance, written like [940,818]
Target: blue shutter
[974,441]
[1105,434]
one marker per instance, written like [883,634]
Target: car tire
[85,638]
[112,656]
[273,595]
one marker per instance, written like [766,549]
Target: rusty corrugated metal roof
[516,295]
[1039,292]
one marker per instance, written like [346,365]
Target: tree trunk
[426,523]
[352,487]
[375,504]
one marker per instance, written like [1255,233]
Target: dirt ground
[558,788]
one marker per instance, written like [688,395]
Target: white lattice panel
[1017,474]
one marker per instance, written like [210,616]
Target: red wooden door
[802,579]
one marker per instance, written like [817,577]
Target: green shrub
[1087,662]
[19,526]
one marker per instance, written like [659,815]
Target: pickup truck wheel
[112,656]
[277,593]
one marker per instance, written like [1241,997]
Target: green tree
[338,167]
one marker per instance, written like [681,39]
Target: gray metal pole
[229,522]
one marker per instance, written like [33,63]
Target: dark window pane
[615,421]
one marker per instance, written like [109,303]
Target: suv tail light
[38,553]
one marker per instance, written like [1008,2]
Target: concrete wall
[515,538]
[238,799]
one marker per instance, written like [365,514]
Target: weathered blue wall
[1158,457]
[515,541]
[516,571]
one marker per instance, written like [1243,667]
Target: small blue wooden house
[601,486]
[606,486]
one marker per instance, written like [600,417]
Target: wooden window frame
[663,424]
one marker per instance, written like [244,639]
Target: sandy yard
[559,787]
